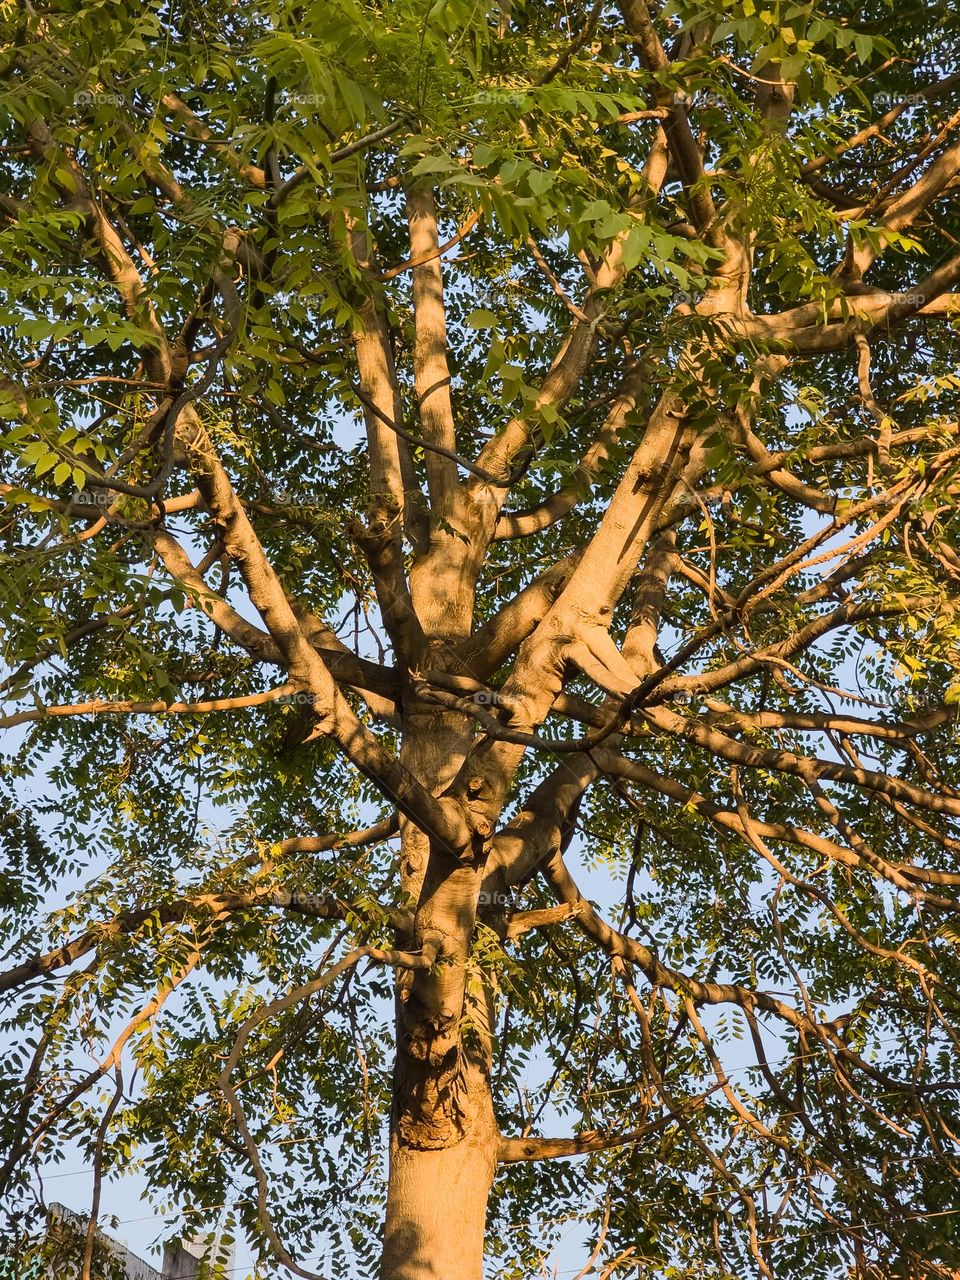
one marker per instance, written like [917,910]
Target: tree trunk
[437,1199]
[444,1138]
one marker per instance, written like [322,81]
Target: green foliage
[164,112]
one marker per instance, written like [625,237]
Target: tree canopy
[449,448]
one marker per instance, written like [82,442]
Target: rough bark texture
[444,1139]
[437,1200]
[688,515]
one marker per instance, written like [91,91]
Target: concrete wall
[134,1268]
[181,1261]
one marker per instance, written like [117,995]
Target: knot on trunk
[431,1110]
[431,1040]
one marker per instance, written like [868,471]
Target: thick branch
[516,1150]
[430,369]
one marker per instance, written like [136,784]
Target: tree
[643,556]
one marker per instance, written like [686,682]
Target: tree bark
[443,1135]
[437,1199]
[444,1138]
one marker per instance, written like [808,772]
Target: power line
[839,1226]
[825,1229]
[592,1094]
[747,1066]
[703,1195]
